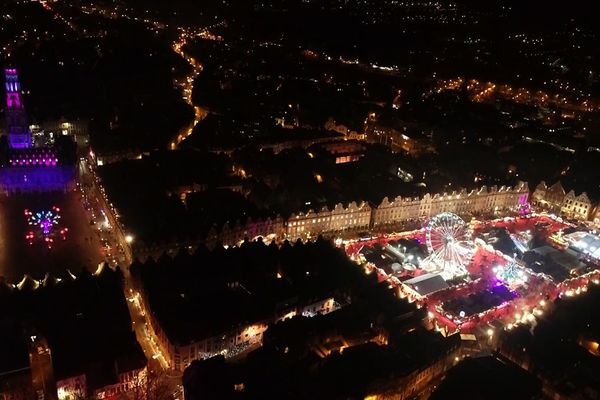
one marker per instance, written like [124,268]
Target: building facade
[78,129]
[420,375]
[340,218]
[23,167]
[461,202]
[355,217]
[345,151]
[19,136]
[549,197]
[397,140]
[350,132]
[576,206]
[555,199]
[27,179]
[128,381]
[229,342]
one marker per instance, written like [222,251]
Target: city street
[116,249]
[118,252]
[187,83]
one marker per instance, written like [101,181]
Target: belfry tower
[19,136]
[25,168]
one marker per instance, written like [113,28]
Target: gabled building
[539,194]
[576,206]
[595,215]
[555,199]
[340,218]
[482,200]
[555,194]
[549,198]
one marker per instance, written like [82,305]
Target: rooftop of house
[239,286]
[83,317]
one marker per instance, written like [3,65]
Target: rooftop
[238,286]
[556,263]
[488,378]
[83,317]
[585,242]
[267,373]
[427,284]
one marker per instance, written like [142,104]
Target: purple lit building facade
[23,167]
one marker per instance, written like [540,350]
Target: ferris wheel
[448,242]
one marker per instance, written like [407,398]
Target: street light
[128,239]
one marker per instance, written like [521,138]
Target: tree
[148,385]
[151,385]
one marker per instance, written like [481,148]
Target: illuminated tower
[42,370]
[19,136]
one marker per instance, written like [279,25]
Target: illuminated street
[187,83]
[116,247]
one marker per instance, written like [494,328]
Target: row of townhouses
[180,353]
[357,216]
[555,199]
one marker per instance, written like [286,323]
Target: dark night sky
[543,14]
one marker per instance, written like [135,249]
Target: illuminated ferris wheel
[449,244]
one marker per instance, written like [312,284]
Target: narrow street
[115,242]
[187,84]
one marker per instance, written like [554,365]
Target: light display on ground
[511,273]
[45,224]
[448,242]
